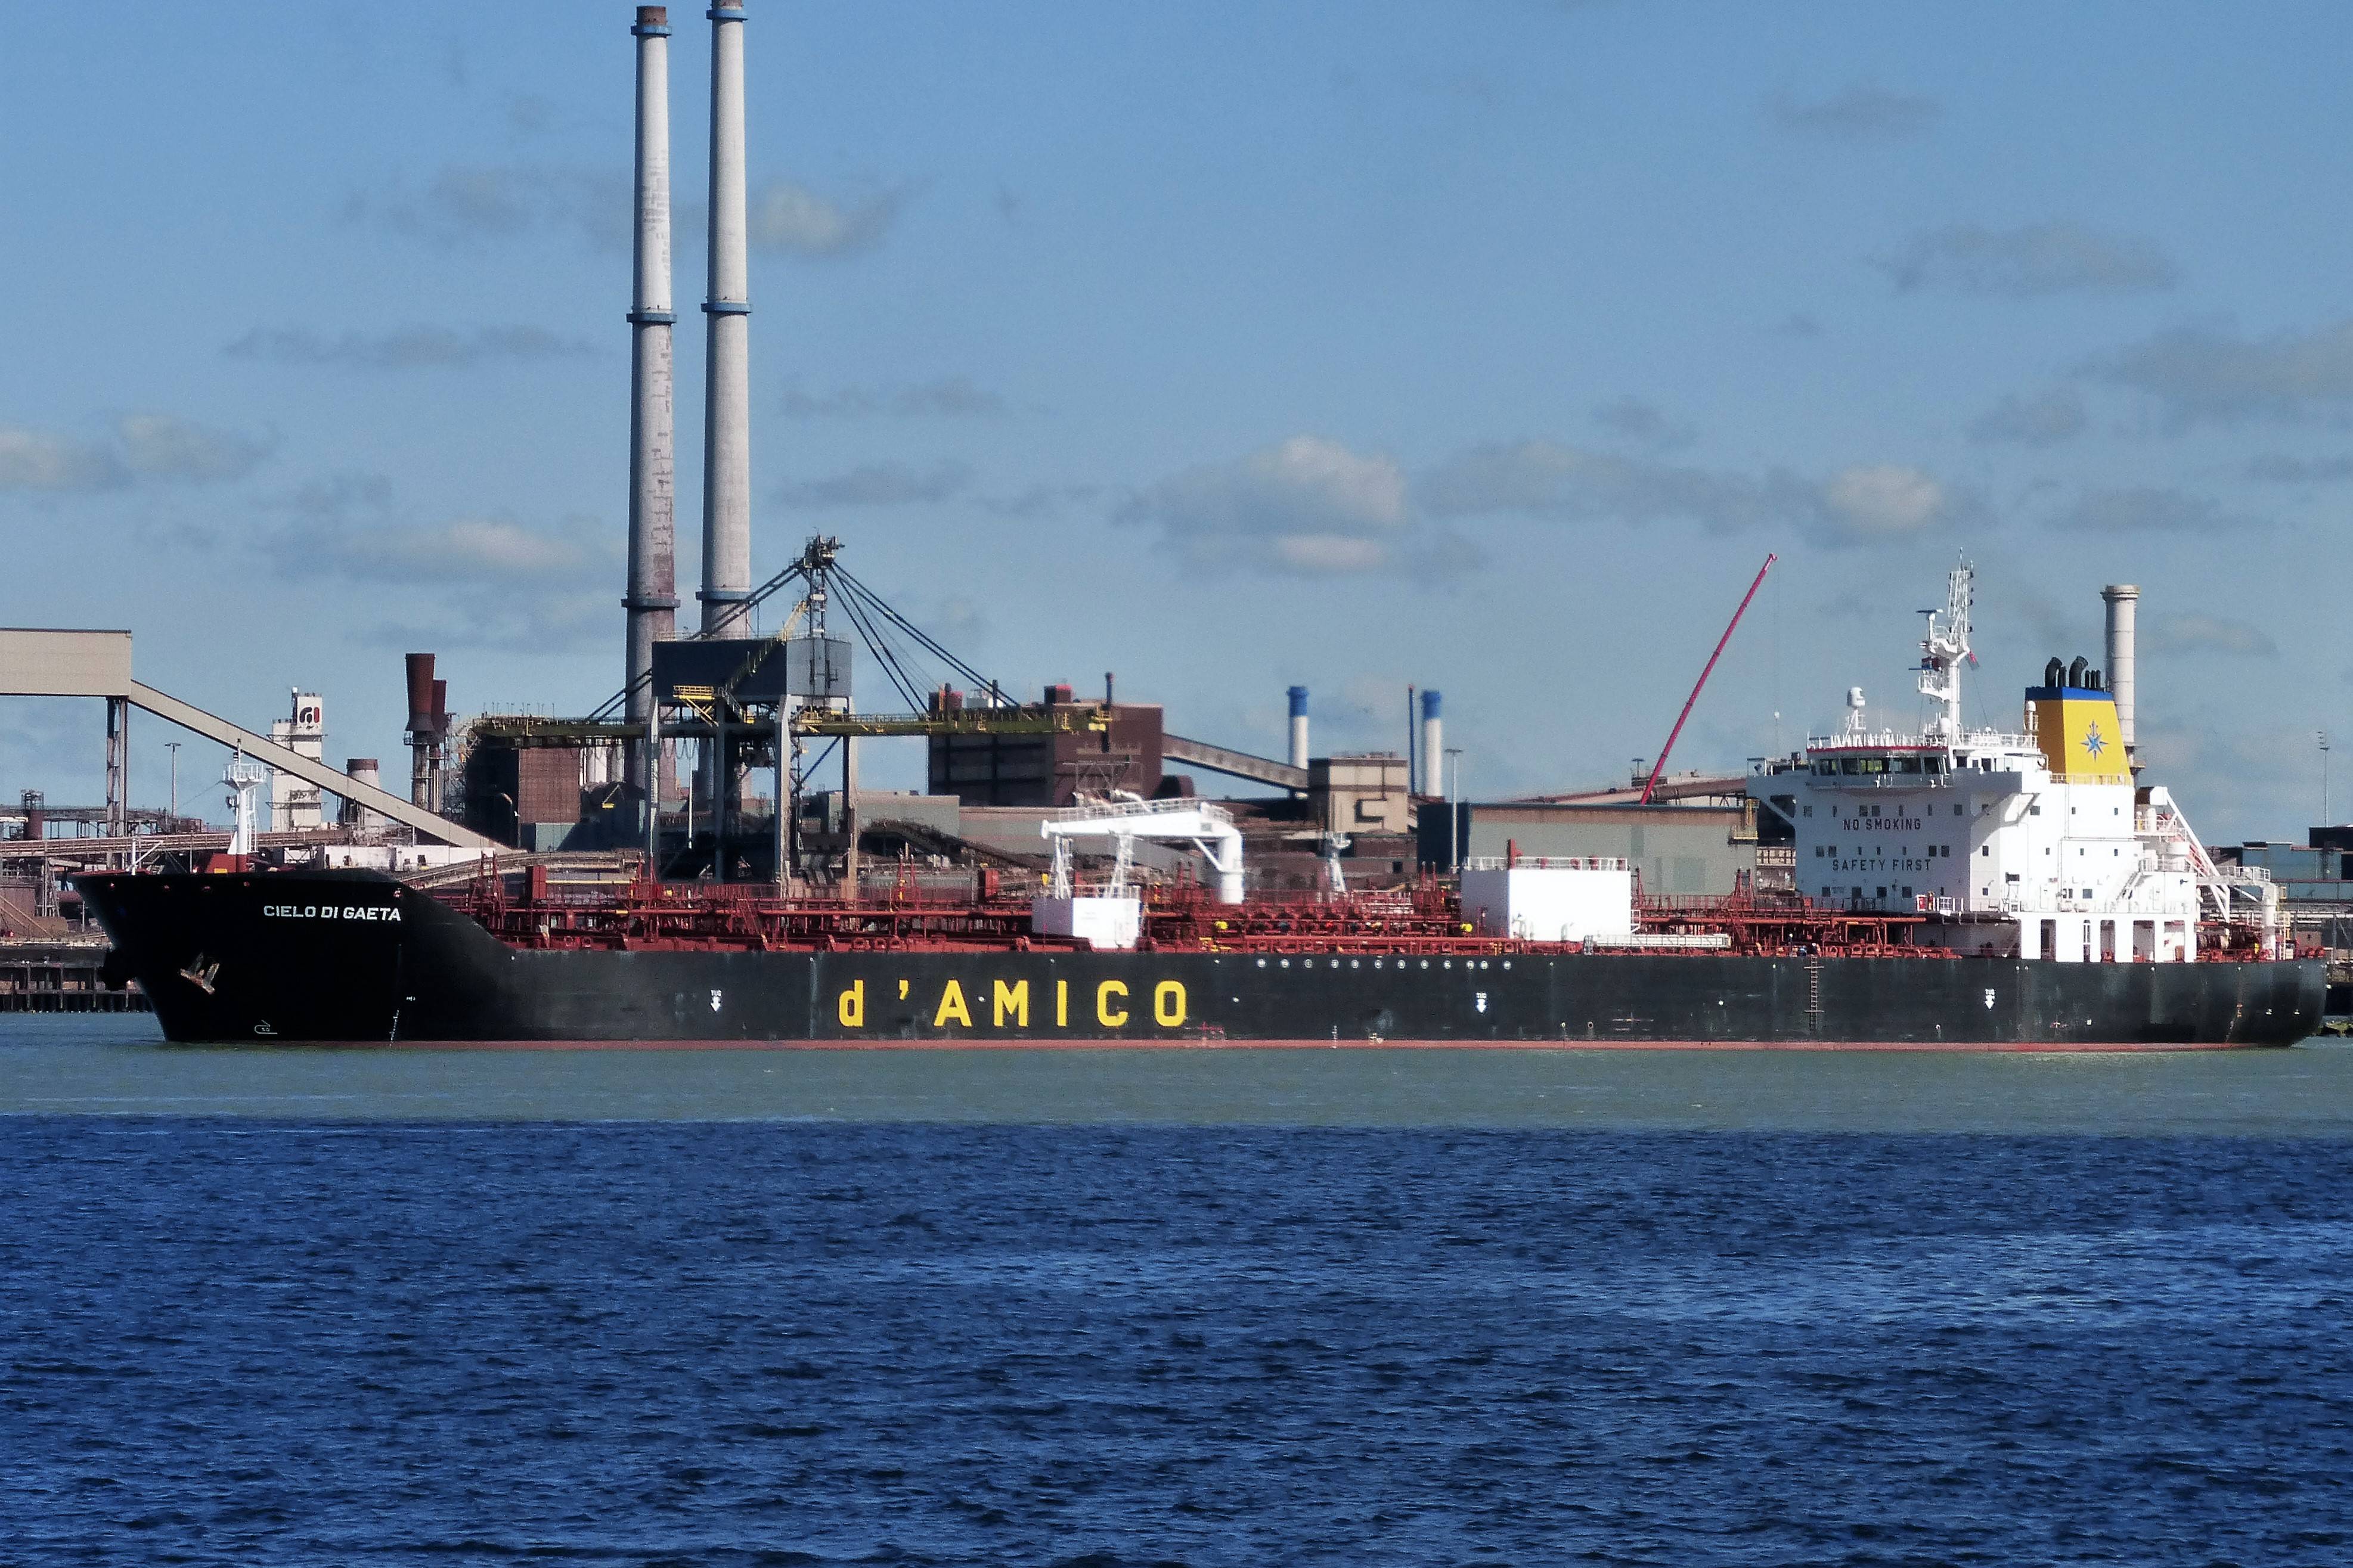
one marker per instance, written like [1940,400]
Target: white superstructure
[2033,844]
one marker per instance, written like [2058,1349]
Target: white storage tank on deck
[1560,899]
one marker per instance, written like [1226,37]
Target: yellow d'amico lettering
[952,1007]
[1013,999]
[1169,1003]
[1061,1003]
[1103,993]
[853,1006]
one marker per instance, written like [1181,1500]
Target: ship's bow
[257,957]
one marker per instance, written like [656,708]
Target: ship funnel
[727,366]
[1298,695]
[652,600]
[2122,600]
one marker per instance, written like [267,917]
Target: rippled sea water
[802,1336]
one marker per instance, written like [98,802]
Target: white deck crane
[1207,828]
[1112,917]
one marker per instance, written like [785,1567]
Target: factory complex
[1065,873]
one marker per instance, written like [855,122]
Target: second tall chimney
[652,600]
[2122,600]
[1298,695]
[1434,746]
[727,370]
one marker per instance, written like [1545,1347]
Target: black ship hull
[350,958]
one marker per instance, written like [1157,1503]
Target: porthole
[1425,963]
[1352,964]
[1286,964]
[1261,963]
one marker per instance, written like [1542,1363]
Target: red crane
[1661,765]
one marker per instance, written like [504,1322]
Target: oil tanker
[1955,887]
[359,958]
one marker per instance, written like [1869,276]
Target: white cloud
[1043,501]
[2148,510]
[2043,421]
[2200,374]
[879,484]
[791,218]
[1641,422]
[1313,505]
[1858,114]
[949,397]
[1886,500]
[161,448]
[408,348]
[475,551]
[2279,468]
[1309,504]
[2193,633]
[1543,478]
[465,204]
[487,582]
[1329,553]
[165,447]
[40,461]
[2024,263]
[537,620]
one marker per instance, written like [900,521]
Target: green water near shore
[118,1066]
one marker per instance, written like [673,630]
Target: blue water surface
[262,1341]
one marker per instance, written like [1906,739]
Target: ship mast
[1943,649]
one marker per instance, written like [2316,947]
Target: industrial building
[1679,849]
[1054,768]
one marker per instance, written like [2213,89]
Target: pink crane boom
[1661,765]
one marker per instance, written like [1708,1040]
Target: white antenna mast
[1944,648]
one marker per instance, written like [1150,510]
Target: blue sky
[1486,347]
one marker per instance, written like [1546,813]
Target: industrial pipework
[651,601]
[727,370]
[2123,601]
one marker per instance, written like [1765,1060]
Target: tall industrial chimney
[362,770]
[2122,599]
[1298,726]
[1433,780]
[727,373]
[652,599]
[422,732]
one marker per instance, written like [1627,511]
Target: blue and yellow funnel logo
[2077,729]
